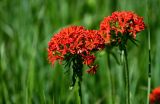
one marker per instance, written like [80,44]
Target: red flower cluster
[75,40]
[155,96]
[124,23]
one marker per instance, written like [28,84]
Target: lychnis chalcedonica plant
[76,45]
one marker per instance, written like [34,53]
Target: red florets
[92,69]
[75,40]
[155,96]
[124,23]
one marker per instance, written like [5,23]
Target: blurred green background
[26,77]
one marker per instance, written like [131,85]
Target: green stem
[79,91]
[127,77]
[149,88]
[77,74]
[149,78]
[149,49]
[110,76]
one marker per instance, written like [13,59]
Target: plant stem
[77,74]
[79,91]
[127,77]
[110,76]
[149,70]
[149,52]
[149,77]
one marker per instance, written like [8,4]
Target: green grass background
[26,77]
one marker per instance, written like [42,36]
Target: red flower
[152,98]
[75,40]
[89,60]
[155,96]
[105,29]
[124,23]
[92,70]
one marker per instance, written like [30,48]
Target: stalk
[79,90]
[79,78]
[110,76]
[77,74]
[127,84]
[149,77]
[149,58]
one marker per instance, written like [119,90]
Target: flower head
[121,24]
[75,40]
[155,96]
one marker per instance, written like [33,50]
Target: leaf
[133,41]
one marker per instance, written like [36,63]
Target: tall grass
[26,26]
